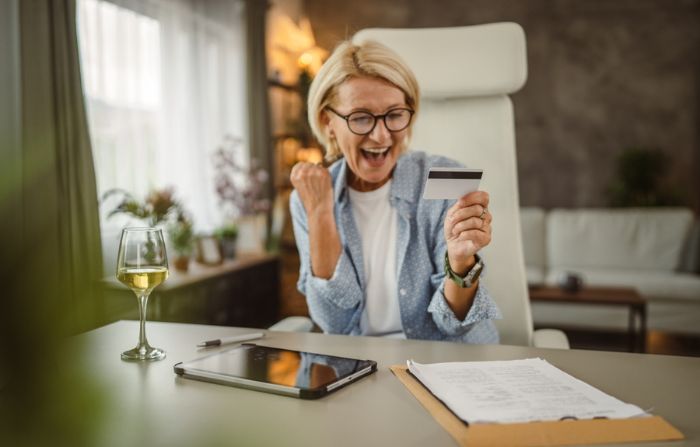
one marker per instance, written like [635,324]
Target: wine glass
[142,264]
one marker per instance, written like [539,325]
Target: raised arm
[327,276]
[313,184]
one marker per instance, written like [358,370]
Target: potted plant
[182,240]
[241,191]
[639,180]
[159,208]
[227,236]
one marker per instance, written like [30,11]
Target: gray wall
[603,75]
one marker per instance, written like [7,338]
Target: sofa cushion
[652,285]
[649,239]
[532,222]
[690,260]
[677,317]
[535,275]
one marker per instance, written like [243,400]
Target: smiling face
[372,157]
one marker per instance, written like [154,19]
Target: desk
[375,411]
[606,296]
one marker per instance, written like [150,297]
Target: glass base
[146,352]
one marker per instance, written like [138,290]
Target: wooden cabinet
[240,292]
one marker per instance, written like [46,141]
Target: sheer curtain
[165,82]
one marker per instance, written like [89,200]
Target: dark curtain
[259,133]
[60,194]
[50,232]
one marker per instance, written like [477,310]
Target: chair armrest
[550,338]
[293,324]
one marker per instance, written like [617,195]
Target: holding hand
[313,184]
[467,230]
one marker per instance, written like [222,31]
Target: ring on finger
[483,213]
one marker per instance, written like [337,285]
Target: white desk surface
[149,405]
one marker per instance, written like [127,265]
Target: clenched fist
[313,184]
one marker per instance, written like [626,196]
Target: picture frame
[209,251]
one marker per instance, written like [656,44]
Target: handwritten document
[513,391]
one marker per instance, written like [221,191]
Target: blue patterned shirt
[336,304]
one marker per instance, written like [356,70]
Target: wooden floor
[657,342]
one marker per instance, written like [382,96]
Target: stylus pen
[229,340]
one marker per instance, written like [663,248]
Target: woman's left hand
[467,230]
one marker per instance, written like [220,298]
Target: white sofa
[649,249]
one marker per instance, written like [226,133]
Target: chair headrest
[463,61]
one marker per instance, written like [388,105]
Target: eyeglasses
[363,123]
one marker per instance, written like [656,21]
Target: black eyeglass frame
[376,119]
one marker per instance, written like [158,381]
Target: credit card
[451,183]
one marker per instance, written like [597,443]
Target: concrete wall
[603,75]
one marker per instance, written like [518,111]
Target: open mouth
[375,154]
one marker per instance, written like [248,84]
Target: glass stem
[143,303]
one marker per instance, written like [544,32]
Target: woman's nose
[380,133]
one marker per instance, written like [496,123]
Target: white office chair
[466,74]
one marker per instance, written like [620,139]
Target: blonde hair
[369,59]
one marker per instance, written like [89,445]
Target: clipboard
[532,434]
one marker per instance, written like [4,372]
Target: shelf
[244,291]
[282,85]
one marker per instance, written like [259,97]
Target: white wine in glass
[142,264]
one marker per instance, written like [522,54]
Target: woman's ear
[327,124]
[325,117]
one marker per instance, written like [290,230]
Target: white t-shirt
[377,223]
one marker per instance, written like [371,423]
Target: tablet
[305,375]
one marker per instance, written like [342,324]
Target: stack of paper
[514,391]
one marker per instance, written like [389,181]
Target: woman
[376,259]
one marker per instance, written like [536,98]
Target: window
[164,83]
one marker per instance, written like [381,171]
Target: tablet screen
[303,370]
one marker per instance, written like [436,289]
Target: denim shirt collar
[404,187]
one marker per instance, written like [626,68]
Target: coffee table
[605,296]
